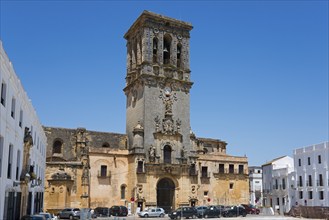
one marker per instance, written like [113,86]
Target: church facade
[159,161]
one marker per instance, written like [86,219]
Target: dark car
[212,212]
[33,217]
[119,210]
[187,212]
[102,211]
[70,213]
[200,210]
[251,209]
[235,211]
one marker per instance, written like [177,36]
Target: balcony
[104,175]
[205,175]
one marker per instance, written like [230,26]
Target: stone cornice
[160,81]
[148,18]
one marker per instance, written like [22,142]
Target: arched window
[179,53]
[166,49]
[123,191]
[167,154]
[155,50]
[57,147]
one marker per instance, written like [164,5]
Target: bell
[154,47]
[165,50]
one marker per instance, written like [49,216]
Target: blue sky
[260,68]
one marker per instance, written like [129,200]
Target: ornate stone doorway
[165,194]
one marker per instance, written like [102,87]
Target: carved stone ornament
[193,189]
[168,126]
[152,153]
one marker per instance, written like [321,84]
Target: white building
[256,185]
[311,165]
[21,185]
[278,184]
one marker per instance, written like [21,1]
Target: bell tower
[157,89]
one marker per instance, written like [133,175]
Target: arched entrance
[165,194]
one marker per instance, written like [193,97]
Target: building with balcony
[278,184]
[255,185]
[22,148]
[159,161]
[312,177]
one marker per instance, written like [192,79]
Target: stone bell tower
[158,89]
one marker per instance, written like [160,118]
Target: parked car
[212,212]
[119,210]
[235,211]
[187,212]
[102,211]
[47,215]
[33,217]
[200,210]
[152,212]
[251,209]
[69,213]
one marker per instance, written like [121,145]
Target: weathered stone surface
[159,161]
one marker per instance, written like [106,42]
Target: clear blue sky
[260,68]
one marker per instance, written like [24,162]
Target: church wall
[106,190]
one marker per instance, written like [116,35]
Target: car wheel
[206,216]
[161,215]
[146,216]
[71,216]
[193,216]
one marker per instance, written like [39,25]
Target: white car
[152,212]
[47,215]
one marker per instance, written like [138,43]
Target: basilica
[159,161]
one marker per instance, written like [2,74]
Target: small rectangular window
[319,159]
[10,161]
[13,106]
[300,162]
[103,170]
[205,193]
[231,168]
[231,185]
[1,153]
[309,180]
[309,161]
[221,168]
[20,123]
[283,184]
[18,164]
[140,168]
[321,195]
[3,94]
[310,194]
[204,172]
[240,169]
[300,181]
[320,181]
[300,194]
